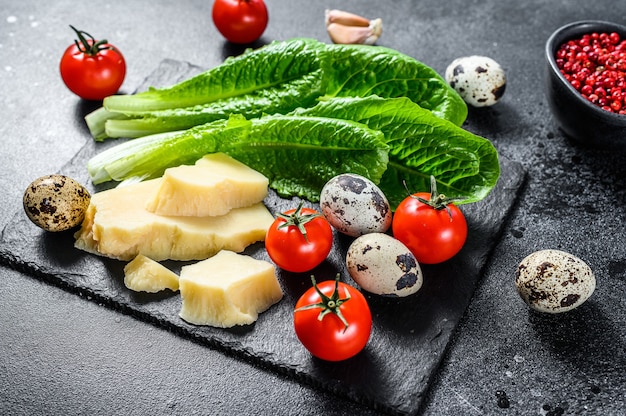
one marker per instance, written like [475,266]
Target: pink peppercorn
[595,65]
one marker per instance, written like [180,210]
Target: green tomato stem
[297,219]
[438,201]
[329,304]
[82,43]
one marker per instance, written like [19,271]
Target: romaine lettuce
[276,79]
[420,145]
[297,154]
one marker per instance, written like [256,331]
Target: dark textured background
[60,354]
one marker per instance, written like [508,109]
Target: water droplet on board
[547,410]
[503,399]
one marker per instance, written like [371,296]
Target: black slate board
[409,335]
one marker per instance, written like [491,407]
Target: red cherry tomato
[92,69]
[240,21]
[431,226]
[333,320]
[299,239]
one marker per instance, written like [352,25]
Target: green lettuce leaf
[282,98]
[300,154]
[420,145]
[297,154]
[148,157]
[268,66]
[276,79]
[362,70]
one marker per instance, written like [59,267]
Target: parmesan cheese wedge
[117,225]
[216,184]
[227,289]
[143,274]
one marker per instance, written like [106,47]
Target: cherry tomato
[240,21]
[430,225]
[333,320]
[299,239]
[92,69]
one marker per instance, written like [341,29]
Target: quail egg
[354,205]
[554,281]
[56,202]
[479,80]
[382,265]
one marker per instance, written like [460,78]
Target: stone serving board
[409,335]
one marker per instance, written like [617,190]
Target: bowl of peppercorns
[586,82]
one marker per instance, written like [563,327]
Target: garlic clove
[349,28]
[345,18]
[344,34]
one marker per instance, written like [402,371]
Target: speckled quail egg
[382,265]
[554,281]
[56,202]
[479,80]
[354,205]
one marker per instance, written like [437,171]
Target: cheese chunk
[143,274]
[216,184]
[117,225]
[228,289]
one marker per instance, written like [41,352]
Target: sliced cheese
[143,274]
[117,225]
[216,184]
[228,289]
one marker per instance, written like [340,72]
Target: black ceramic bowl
[580,119]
